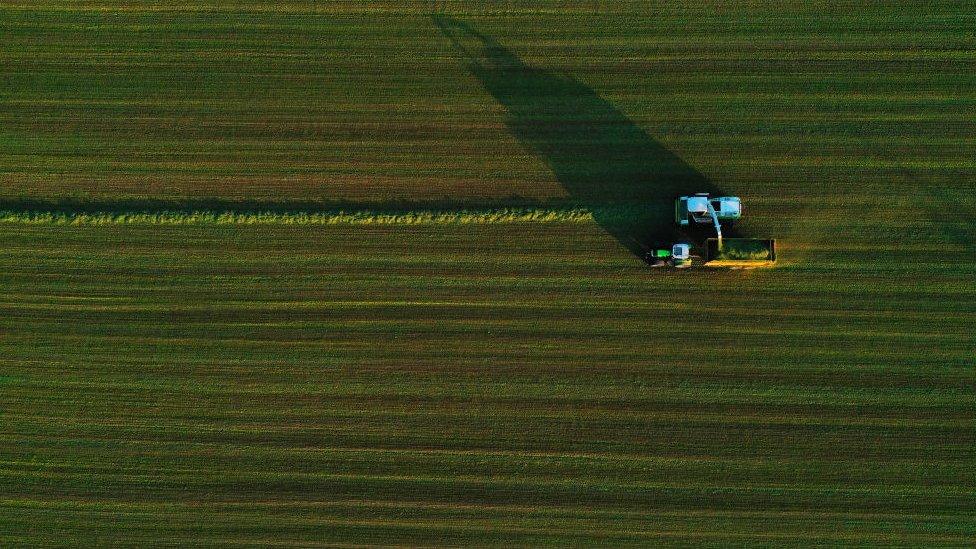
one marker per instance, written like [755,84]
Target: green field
[524,383]
[357,273]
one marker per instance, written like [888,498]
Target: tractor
[678,256]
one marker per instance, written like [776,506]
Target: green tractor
[678,256]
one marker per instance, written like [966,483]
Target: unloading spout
[718,226]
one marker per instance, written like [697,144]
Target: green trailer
[740,252]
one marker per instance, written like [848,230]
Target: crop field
[367,273]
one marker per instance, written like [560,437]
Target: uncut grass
[516,382]
[370,102]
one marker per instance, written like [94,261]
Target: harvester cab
[700,208]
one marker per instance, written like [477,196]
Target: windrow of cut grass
[361,217]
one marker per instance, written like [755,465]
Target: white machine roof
[730,205]
[697,204]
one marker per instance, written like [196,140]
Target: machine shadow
[598,155]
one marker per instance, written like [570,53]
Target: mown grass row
[363,217]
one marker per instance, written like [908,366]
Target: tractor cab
[677,256]
[681,255]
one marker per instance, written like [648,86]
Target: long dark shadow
[598,155]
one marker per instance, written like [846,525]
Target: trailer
[744,253]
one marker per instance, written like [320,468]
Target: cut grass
[740,249]
[744,254]
[454,384]
[421,217]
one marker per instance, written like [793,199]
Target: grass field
[359,274]
[474,384]
[370,101]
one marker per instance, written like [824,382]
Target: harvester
[700,208]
